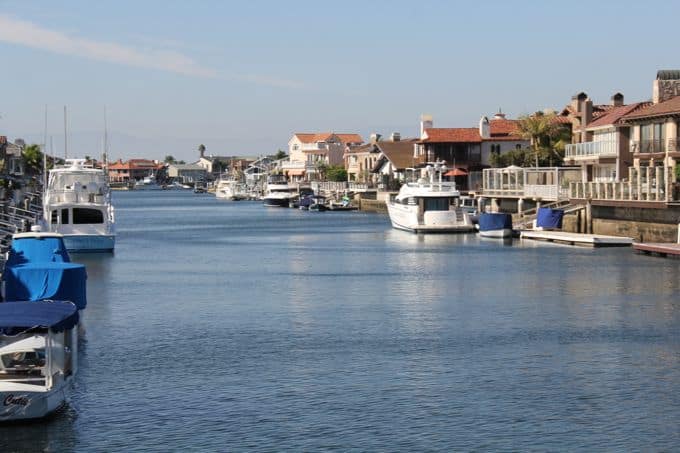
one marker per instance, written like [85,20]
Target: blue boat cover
[494,221]
[19,316]
[549,218]
[37,250]
[38,281]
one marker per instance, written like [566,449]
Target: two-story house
[308,151]
[467,148]
[601,147]
[132,170]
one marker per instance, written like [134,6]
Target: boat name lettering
[17,400]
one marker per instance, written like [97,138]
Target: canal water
[223,326]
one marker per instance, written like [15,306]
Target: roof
[665,108]
[367,148]
[614,115]
[399,153]
[305,137]
[133,164]
[187,167]
[18,316]
[502,126]
[454,134]
[668,74]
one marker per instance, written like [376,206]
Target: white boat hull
[26,404]
[501,233]
[89,243]
[405,217]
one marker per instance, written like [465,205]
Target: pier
[584,240]
[659,249]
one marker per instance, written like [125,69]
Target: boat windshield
[67,180]
[22,358]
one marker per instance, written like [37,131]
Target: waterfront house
[395,158]
[308,151]
[602,146]
[187,173]
[132,170]
[467,149]
[11,153]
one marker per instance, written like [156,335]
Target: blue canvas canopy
[549,218]
[55,315]
[37,248]
[39,267]
[490,221]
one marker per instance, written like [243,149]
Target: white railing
[590,149]
[547,183]
[293,165]
[73,196]
[651,184]
[314,147]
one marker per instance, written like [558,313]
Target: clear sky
[241,77]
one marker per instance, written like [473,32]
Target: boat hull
[89,243]
[406,218]
[276,202]
[26,405]
[501,233]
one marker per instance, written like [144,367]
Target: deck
[658,248]
[585,240]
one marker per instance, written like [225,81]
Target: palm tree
[539,128]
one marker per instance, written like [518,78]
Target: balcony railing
[649,146]
[592,149]
[650,184]
[314,146]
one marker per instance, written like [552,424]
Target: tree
[280,154]
[201,149]
[169,159]
[541,130]
[336,173]
[33,158]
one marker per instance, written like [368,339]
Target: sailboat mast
[65,137]
[44,152]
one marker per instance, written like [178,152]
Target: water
[227,326]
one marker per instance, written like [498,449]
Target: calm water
[228,326]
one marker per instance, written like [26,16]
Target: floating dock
[658,248]
[585,240]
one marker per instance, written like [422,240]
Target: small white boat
[495,225]
[230,189]
[429,206]
[148,183]
[77,205]
[38,357]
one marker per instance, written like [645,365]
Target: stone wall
[665,89]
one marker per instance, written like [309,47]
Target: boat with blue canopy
[495,225]
[38,357]
[39,267]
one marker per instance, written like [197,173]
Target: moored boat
[279,192]
[77,204]
[495,225]
[38,357]
[429,206]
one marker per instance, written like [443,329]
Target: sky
[242,77]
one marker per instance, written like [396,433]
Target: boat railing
[433,186]
[77,196]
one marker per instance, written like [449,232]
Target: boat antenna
[44,151]
[105,156]
[65,137]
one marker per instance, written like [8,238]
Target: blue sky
[241,77]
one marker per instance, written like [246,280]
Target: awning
[56,315]
[295,172]
[456,172]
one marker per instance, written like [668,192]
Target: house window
[296,147]
[64,217]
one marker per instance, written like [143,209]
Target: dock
[584,240]
[658,248]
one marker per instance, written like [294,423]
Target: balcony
[646,184]
[589,150]
[319,146]
[649,146]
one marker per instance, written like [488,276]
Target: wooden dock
[658,248]
[584,240]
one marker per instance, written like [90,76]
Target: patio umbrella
[456,172]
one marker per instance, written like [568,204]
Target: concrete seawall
[373,206]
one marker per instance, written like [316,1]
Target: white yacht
[148,183]
[429,205]
[38,357]
[278,192]
[230,189]
[77,205]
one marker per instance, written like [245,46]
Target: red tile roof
[452,135]
[612,116]
[669,107]
[498,126]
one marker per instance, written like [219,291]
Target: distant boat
[278,192]
[38,357]
[229,189]
[495,225]
[77,204]
[147,183]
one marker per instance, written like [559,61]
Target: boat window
[436,204]
[86,215]
[53,218]
[64,217]
[24,360]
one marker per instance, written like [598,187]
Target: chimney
[375,138]
[395,137]
[425,123]
[617,100]
[586,117]
[484,130]
[499,116]
[577,101]
[666,85]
